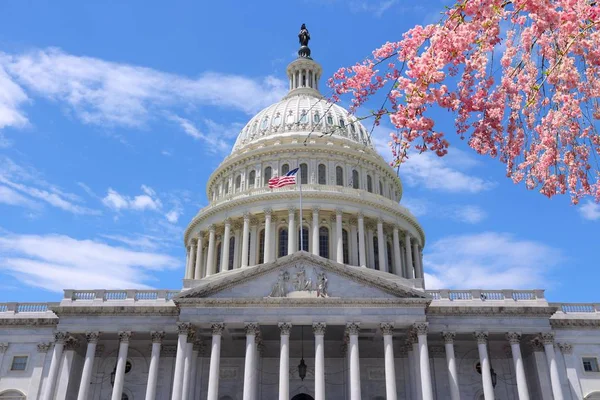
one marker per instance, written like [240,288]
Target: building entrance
[303,396]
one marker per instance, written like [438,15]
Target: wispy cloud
[217,137]
[467,213]
[55,261]
[108,93]
[376,8]
[589,210]
[24,187]
[489,260]
[145,201]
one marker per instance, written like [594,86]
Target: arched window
[346,249]
[261,247]
[329,119]
[376,252]
[369,184]
[322,174]
[283,242]
[355,179]
[219,256]
[342,123]
[303,174]
[226,188]
[339,176]
[380,188]
[12,395]
[238,183]
[231,252]
[389,257]
[324,242]
[304,234]
[267,175]
[251,179]
[285,168]
[303,117]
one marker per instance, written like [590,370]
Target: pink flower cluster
[522,78]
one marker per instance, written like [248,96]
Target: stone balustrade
[18,308]
[133,295]
[481,295]
[572,308]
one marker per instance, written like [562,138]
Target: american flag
[281,181]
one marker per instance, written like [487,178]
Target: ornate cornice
[574,323]
[146,310]
[299,302]
[29,322]
[319,328]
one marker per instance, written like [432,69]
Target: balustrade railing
[103,295]
[485,295]
[26,307]
[570,308]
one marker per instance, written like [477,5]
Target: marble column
[414,394]
[292,241]
[183,328]
[421,330]
[381,247]
[370,248]
[390,369]
[88,365]
[249,363]
[362,252]
[417,364]
[486,373]
[353,329]
[65,372]
[548,341]
[211,268]
[541,368]
[397,255]
[417,260]
[225,246]
[199,257]
[354,242]
[188,261]
[3,348]
[59,345]
[197,348]
[514,339]
[35,384]
[117,391]
[157,338]
[339,239]
[284,361]
[409,260]
[319,331]
[268,239]
[571,370]
[245,237]
[253,243]
[315,231]
[192,266]
[451,364]
[215,361]
[187,366]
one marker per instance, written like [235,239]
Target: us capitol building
[282,302]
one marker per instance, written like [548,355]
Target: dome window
[254,127]
[303,117]
[265,123]
[226,188]
[380,188]
[252,178]
[329,119]
[303,174]
[277,119]
[324,242]
[352,128]
[290,118]
[267,175]
[316,118]
[238,183]
[355,179]
[339,176]
[342,123]
[285,168]
[283,243]
[322,174]
[369,184]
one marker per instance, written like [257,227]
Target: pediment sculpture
[301,285]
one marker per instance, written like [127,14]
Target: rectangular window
[19,363]
[590,364]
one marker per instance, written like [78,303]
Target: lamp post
[302,366]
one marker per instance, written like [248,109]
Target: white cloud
[109,93]
[146,201]
[589,210]
[211,138]
[26,183]
[13,198]
[488,260]
[173,216]
[53,262]
[11,98]
[375,7]
[467,213]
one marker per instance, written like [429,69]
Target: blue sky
[113,115]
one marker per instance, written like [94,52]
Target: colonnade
[352,239]
[188,348]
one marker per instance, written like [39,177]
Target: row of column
[407,264]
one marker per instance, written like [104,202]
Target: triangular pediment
[303,275]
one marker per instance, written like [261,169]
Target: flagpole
[301,227]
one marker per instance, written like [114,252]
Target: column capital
[379,220]
[481,337]
[339,211]
[191,335]
[228,222]
[547,338]
[316,209]
[3,347]
[353,221]
[183,328]
[513,337]
[41,347]
[217,328]
[285,328]
[247,216]
[252,328]
[421,328]
[411,338]
[353,328]
[268,212]
[212,228]
[448,337]
[92,337]
[71,343]
[124,336]
[536,344]
[360,215]
[291,210]
[387,328]
[60,337]
[157,336]
[565,348]
[319,328]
